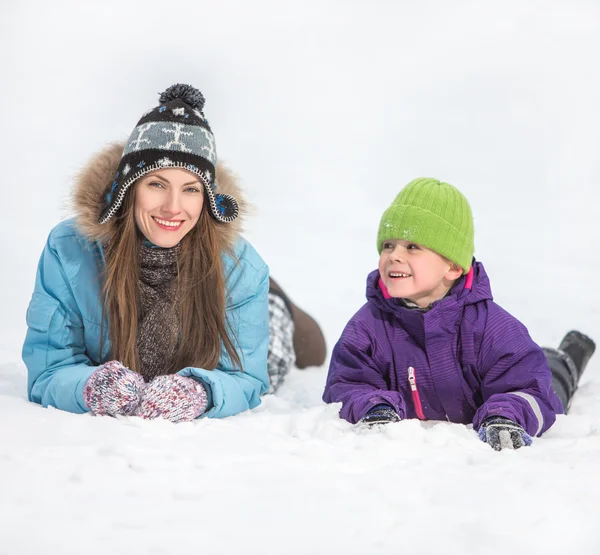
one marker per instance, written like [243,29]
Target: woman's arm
[54,350]
[230,390]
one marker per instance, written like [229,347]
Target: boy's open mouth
[398,275]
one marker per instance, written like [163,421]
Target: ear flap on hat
[223,208]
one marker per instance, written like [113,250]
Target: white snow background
[325,110]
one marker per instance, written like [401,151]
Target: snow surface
[325,110]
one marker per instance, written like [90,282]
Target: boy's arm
[516,380]
[356,378]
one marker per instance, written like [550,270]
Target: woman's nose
[172,203]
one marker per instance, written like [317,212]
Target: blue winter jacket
[62,345]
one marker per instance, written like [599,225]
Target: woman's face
[167,205]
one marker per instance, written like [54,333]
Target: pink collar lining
[468,284]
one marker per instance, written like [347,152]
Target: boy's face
[415,273]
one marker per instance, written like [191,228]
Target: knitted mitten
[502,433]
[113,389]
[380,414]
[173,397]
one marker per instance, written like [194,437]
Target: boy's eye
[387,246]
[412,246]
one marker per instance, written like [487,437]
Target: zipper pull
[411,378]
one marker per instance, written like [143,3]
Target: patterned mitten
[380,414]
[502,433]
[173,397]
[113,389]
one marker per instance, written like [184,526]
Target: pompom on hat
[433,214]
[175,134]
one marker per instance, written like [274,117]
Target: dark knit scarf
[158,326]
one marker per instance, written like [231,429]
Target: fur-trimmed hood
[94,181]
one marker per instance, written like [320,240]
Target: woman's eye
[155,184]
[193,190]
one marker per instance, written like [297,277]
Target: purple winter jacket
[469,359]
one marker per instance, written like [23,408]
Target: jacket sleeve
[54,349]
[230,390]
[516,381]
[356,378]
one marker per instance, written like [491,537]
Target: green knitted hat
[433,214]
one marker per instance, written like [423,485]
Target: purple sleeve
[356,378]
[516,381]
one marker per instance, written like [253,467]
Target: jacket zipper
[415,393]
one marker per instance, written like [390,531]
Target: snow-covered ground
[325,109]
[290,477]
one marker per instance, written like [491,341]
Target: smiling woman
[167,204]
[149,302]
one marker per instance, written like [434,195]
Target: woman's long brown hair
[201,287]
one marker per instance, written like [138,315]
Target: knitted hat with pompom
[175,134]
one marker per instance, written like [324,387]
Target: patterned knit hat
[433,214]
[175,134]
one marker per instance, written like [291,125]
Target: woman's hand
[173,397]
[113,389]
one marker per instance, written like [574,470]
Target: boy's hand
[380,414]
[502,433]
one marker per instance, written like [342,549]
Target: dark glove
[502,433]
[380,414]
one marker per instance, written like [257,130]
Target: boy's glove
[113,389]
[380,414]
[173,397]
[502,433]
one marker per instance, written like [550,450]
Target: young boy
[430,343]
